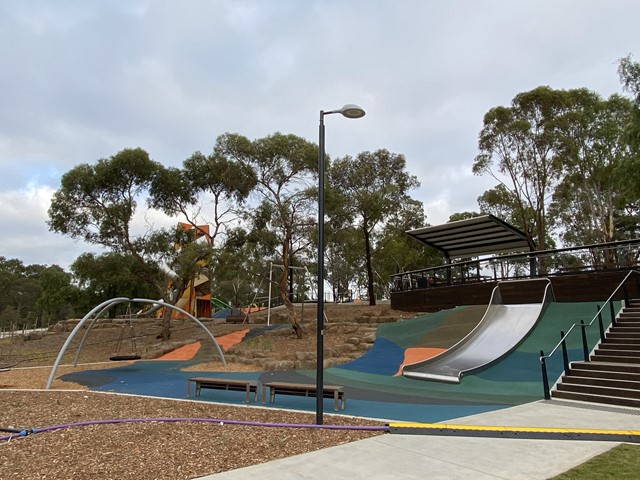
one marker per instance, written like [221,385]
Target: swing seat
[120,358]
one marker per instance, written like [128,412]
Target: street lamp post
[349,111]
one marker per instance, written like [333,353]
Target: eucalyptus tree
[97,203]
[343,247]
[243,271]
[593,147]
[503,203]
[34,294]
[394,251]
[397,252]
[208,194]
[21,288]
[518,147]
[58,297]
[111,274]
[457,216]
[283,166]
[375,187]
[562,159]
[629,72]
[209,189]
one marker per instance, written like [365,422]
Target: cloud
[84,80]
[25,234]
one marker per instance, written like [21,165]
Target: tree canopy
[558,158]
[97,203]
[629,72]
[588,200]
[565,164]
[517,147]
[374,187]
[34,294]
[283,166]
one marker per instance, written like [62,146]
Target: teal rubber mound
[383,359]
[371,389]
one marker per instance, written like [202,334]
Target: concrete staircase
[613,375]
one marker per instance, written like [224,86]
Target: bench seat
[236,318]
[233,384]
[304,389]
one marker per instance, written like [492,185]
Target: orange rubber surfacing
[417,354]
[187,352]
[229,340]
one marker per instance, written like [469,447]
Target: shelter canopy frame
[472,237]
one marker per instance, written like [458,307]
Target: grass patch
[619,463]
[260,343]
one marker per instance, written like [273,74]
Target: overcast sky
[82,80]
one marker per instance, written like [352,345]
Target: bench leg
[264,394]
[188,388]
[335,401]
[247,393]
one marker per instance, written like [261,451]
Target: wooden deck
[575,287]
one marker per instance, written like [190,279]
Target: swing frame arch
[105,306]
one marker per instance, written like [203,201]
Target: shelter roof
[472,237]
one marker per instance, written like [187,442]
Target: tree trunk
[166,316]
[295,323]
[284,293]
[166,325]
[367,249]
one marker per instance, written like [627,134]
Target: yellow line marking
[494,428]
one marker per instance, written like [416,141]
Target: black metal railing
[562,344]
[621,255]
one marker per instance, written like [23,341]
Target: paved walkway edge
[411,456]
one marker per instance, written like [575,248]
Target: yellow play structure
[196,297]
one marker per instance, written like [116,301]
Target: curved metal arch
[86,333]
[173,307]
[115,301]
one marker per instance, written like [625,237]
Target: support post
[585,347]
[565,355]
[320,305]
[545,377]
[613,313]
[348,111]
[600,324]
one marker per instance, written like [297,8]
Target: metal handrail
[516,257]
[582,326]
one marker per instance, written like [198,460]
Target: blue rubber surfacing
[371,388]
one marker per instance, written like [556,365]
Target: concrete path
[438,457]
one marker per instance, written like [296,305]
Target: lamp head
[349,111]
[352,111]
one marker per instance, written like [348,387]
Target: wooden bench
[233,384]
[304,389]
[236,318]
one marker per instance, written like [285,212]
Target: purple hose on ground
[26,432]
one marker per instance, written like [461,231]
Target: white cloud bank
[84,80]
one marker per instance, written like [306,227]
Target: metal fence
[588,258]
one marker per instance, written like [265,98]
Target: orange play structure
[196,296]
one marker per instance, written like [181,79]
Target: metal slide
[500,331]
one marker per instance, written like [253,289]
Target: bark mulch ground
[147,450]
